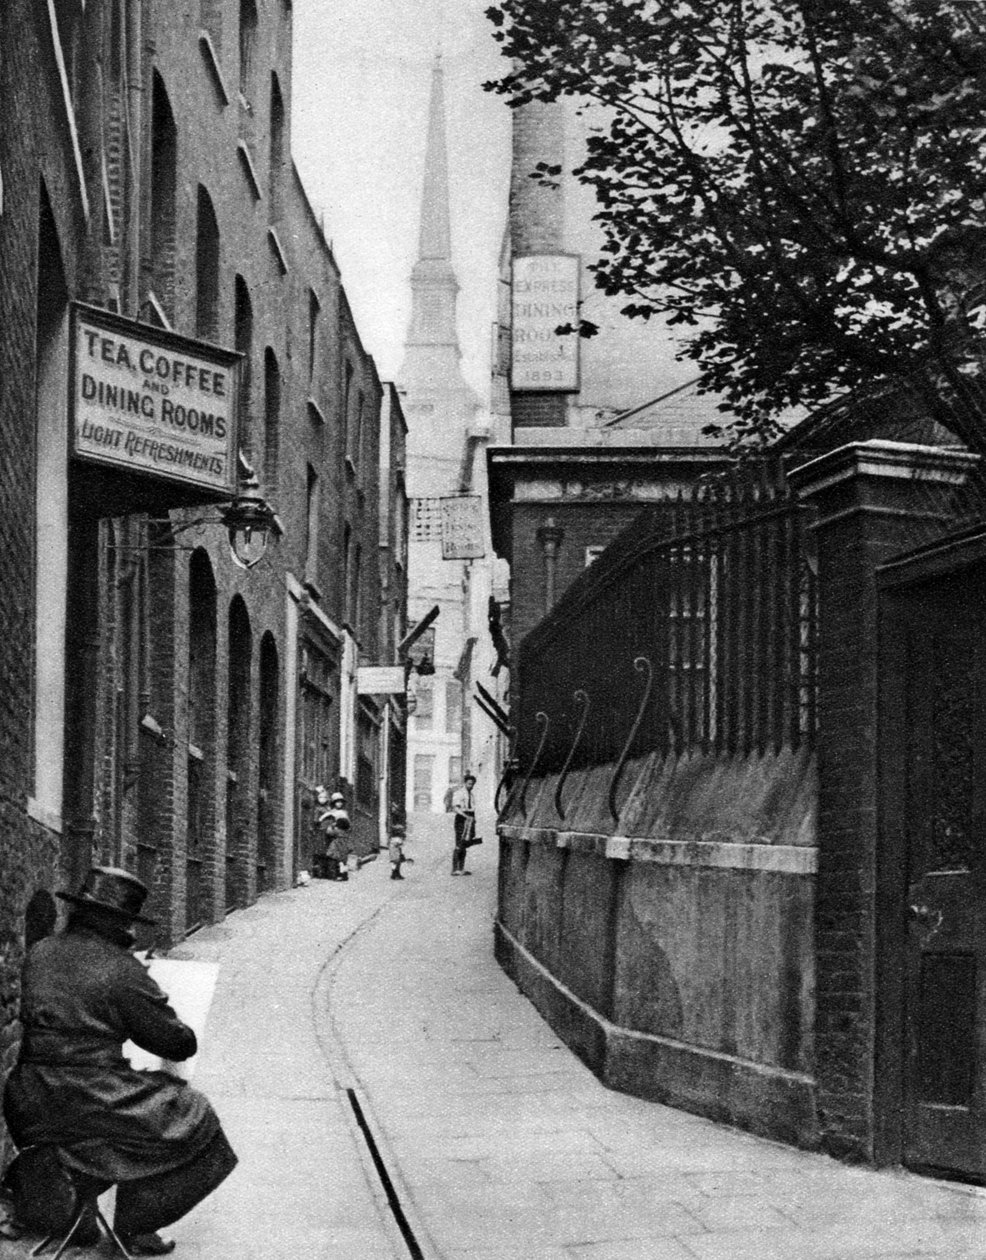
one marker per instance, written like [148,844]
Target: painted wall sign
[148,401]
[544,294]
[462,527]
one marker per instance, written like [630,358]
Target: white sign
[462,527]
[380,680]
[148,401]
[544,294]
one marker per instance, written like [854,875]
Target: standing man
[464,823]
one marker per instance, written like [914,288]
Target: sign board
[148,401]
[380,680]
[462,527]
[544,294]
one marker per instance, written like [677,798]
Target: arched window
[272,417]
[206,269]
[268,761]
[248,39]
[275,174]
[243,341]
[200,802]
[311,528]
[164,154]
[314,308]
[238,743]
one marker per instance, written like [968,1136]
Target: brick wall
[127,745]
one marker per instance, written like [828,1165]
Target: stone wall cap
[877,457]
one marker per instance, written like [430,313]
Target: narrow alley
[376,1008]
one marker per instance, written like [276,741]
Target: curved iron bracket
[507,779]
[640,664]
[583,699]
[542,719]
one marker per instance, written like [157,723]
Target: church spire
[433,284]
[435,237]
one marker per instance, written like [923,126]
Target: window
[314,307]
[366,760]
[347,563]
[354,609]
[200,816]
[347,390]
[238,750]
[311,526]
[243,341]
[424,708]
[272,417]
[455,770]
[316,716]
[453,706]
[275,173]
[248,39]
[163,207]
[268,769]
[206,269]
[426,520]
[354,427]
[423,766]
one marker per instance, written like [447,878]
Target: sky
[360,90]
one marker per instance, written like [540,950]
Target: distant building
[595,429]
[446,485]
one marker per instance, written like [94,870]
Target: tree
[799,184]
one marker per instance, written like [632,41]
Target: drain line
[393,1200]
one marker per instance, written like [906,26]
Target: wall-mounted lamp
[250,521]
[250,524]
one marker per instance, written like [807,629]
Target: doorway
[935,818]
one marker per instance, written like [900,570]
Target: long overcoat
[82,997]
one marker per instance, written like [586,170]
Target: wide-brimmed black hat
[114,890]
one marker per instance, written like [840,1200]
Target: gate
[934,760]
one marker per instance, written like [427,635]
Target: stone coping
[786,859]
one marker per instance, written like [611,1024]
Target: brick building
[165,708]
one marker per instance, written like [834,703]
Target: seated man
[83,995]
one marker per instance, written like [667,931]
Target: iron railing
[695,630]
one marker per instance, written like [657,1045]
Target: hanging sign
[544,295]
[462,527]
[380,680]
[149,401]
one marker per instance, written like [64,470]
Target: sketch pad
[189,987]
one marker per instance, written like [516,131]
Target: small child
[335,825]
[398,834]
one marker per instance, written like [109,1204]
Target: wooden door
[944,818]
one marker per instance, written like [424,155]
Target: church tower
[443,437]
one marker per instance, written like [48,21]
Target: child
[335,825]
[398,834]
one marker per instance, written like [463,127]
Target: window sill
[249,169]
[277,250]
[211,59]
